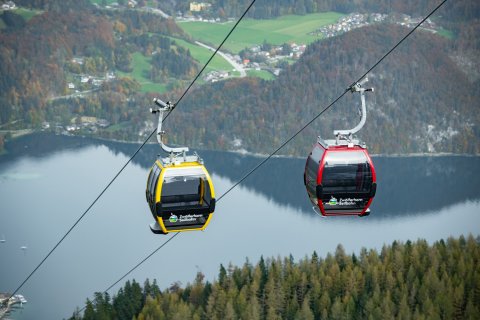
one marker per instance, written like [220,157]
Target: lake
[48,181]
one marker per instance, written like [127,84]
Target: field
[250,32]
[117,127]
[141,68]
[202,55]
[109,2]
[446,33]
[265,75]
[26,14]
[103,2]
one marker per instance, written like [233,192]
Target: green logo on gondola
[173,218]
[333,201]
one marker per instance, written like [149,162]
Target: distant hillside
[423,101]
[55,5]
[36,56]
[33,55]
[57,61]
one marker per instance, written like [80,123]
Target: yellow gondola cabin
[179,190]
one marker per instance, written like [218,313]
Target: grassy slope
[250,32]
[261,74]
[141,65]
[27,14]
[141,68]
[101,2]
[447,33]
[202,55]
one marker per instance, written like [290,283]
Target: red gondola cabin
[340,178]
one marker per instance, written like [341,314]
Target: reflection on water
[406,185]
[268,214]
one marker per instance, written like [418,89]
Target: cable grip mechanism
[348,134]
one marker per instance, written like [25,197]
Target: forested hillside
[402,281]
[426,98]
[37,58]
[422,101]
[33,57]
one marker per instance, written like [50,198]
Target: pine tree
[222,275]
[305,313]
[89,311]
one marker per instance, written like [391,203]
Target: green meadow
[27,14]
[142,64]
[202,55]
[446,33]
[103,2]
[265,75]
[250,32]
[141,67]
[117,127]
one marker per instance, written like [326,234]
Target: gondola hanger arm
[162,107]
[348,133]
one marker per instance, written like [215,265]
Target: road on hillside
[155,11]
[227,57]
[73,95]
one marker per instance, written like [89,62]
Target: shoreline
[27,132]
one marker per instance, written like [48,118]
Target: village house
[78,60]
[85,79]
[9,5]
[97,82]
[110,75]
[199,6]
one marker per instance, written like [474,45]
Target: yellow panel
[208,221]
[183,164]
[158,192]
[210,183]
[212,195]
[159,164]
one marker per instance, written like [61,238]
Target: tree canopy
[412,280]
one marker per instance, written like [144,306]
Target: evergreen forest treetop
[412,280]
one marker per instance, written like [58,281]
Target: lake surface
[47,182]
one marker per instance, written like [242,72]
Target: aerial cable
[130,159]
[138,264]
[288,140]
[261,163]
[81,217]
[213,55]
